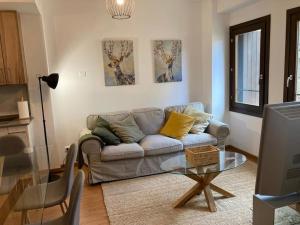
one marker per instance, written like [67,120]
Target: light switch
[82,74]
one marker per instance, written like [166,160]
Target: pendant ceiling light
[120,9]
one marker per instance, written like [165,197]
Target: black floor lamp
[52,81]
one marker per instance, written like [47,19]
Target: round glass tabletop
[179,165]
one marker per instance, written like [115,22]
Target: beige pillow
[202,119]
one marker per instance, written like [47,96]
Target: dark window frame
[263,23]
[293,15]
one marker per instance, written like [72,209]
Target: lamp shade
[51,80]
[120,9]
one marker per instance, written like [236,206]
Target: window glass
[247,67]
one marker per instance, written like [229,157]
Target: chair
[49,194]
[72,216]
[11,154]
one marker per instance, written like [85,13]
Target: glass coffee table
[203,175]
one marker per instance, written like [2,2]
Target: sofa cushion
[159,144]
[178,125]
[127,130]
[106,136]
[202,119]
[103,131]
[194,140]
[109,117]
[150,120]
[181,108]
[122,151]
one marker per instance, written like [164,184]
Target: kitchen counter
[15,123]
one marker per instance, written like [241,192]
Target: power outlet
[67,148]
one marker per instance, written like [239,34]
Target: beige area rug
[148,200]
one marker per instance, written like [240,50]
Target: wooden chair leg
[65,204]
[24,217]
[27,219]
[62,208]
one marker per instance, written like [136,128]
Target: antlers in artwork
[108,49]
[126,50]
[167,58]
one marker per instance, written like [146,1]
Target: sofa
[110,163]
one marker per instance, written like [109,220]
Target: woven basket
[202,156]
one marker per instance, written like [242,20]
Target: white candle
[23,110]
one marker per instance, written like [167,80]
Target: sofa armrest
[84,132]
[220,130]
[89,144]
[92,145]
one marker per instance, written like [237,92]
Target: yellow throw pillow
[178,125]
[201,119]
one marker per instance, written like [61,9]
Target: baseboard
[57,170]
[249,156]
[61,169]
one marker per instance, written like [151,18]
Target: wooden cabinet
[2,68]
[12,67]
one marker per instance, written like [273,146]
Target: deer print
[167,59]
[116,60]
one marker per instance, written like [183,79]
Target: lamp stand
[52,177]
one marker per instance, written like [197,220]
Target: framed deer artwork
[167,60]
[118,62]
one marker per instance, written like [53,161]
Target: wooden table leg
[221,191]
[189,195]
[12,198]
[210,199]
[10,201]
[203,184]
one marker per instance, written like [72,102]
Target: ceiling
[227,6]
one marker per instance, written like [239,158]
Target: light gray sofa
[140,159]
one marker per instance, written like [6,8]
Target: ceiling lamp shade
[120,9]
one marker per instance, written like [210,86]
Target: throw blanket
[83,139]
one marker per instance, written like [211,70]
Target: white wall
[74,30]
[224,6]
[214,58]
[245,130]
[206,22]
[220,61]
[36,64]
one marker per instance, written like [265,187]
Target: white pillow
[202,119]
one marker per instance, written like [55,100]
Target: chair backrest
[68,175]
[72,216]
[10,145]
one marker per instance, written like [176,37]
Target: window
[292,56]
[249,66]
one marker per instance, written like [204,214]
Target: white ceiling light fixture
[120,9]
